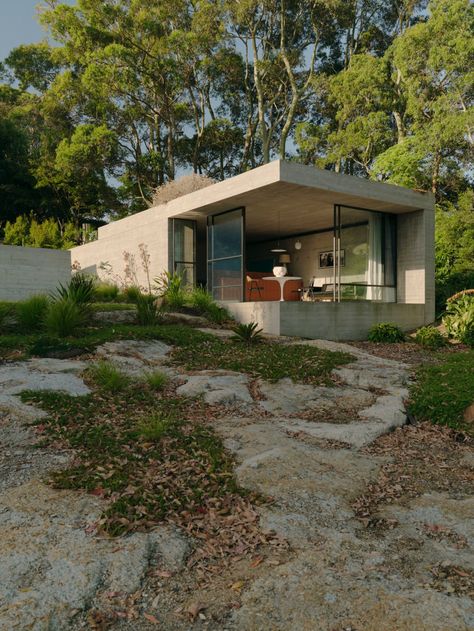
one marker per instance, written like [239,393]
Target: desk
[282,280]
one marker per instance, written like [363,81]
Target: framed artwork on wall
[326,259]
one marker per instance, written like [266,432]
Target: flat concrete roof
[302,195]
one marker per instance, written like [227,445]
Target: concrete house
[354,252]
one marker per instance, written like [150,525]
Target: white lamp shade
[298,245]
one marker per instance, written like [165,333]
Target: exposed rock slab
[218,387]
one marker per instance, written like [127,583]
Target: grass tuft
[156,380]
[108,377]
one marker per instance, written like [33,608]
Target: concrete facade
[326,320]
[28,271]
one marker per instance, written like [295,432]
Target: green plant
[217,314]
[201,299]
[247,333]
[31,313]
[108,376]
[6,310]
[429,337]
[80,290]
[154,427]
[444,390]
[132,293]
[459,318]
[64,317]
[170,286]
[48,346]
[105,292]
[149,310]
[386,332]
[156,380]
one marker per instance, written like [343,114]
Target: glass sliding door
[364,255]
[183,238]
[225,255]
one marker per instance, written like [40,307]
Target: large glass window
[225,255]
[184,249]
[366,240]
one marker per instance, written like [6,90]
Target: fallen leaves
[151,618]
[194,609]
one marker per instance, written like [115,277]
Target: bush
[31,313]
[450,284]
[105,292]
[109,377]
[386,332]
[156,380]
[429,337]
[79,290]
[201,300]
[64,317]
[459,318]
[154,428]
[6,310]
[171,288]
[148,310]
[248,333]
[132,293]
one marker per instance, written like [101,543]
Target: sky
[18,24]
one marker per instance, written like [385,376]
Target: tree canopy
[129,94]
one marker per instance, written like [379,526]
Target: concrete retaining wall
[326,320]
[28,271]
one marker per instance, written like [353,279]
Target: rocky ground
[375,526]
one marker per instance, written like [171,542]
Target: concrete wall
[28,271]
[326,320]
[125,236]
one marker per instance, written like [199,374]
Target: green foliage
[153,428]
[40,234]
[132,293]
[64,317]
[202,301]
[451,284]
[156,380]
[6,310]
[108,377]
[51,346]
[248,333]
[429,337]
[269,360]
[148,310]
[443,391]
[459,319]
[171,287]
[31,313]
[105,292]
[80,290]
[386,332]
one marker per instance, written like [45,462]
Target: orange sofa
[257,289]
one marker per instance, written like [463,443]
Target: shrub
[31,313]
[170,287]
[48,346]
[64,317]
[109,377]
[132,293]
[386,332]
[105,292]
[149,310]
[6,310]
[429,337]
[450,284]
[201,300]
[248,333]
[156,380]
[182,186]
[79,290]
[459,318]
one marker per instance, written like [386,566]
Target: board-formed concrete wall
[28,271]
[326,320]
